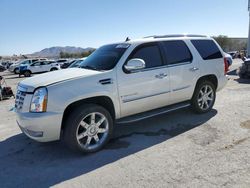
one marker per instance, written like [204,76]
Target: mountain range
[55,51]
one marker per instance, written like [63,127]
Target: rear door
[36,67]
[46,66]
[148,88]
[183,69]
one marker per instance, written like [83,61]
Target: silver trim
[181,88]
[146,96]
[156,114]
[22,88]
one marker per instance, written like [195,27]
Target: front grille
[20,95]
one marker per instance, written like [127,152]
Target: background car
[67,64]
[2,68]
[77,63]
[39,67]
[233,54]
[15,67]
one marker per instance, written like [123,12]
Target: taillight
[225,66]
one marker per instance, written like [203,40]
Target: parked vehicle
[77,63]
[38,67]
[62,61]
[15,67]
[122,83]
[67,64]
[244,70]
[234,54]
[2,68]
[228,58]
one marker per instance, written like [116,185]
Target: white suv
[38,67]
[121,83]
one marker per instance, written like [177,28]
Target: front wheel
[27,73]
[88,128]
[204,97]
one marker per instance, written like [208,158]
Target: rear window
[176,52]
[207,49]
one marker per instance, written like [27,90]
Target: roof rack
[171,36]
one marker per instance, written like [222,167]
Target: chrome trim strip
[138,98]
[181,88]
[156,114]
[161,67]
[21,88]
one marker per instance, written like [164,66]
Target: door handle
[161,75]
[193,69]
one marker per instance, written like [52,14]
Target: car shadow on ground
[26,163]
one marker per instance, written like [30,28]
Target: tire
[81,129]
[15,70]
[204,97]
[53,69]
[27,73]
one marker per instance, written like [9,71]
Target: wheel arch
[103,101]
[210,77]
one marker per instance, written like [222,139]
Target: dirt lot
[179,149]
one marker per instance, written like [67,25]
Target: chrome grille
[20,95]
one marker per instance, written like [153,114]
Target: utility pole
[248,42]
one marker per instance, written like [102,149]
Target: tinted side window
[177,52]
[150,54]
[207,49]
[36,64]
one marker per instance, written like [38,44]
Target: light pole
[248,42]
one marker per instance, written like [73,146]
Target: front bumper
[42,127]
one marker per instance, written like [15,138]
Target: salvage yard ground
[179,149]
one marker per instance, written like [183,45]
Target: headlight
[39,100]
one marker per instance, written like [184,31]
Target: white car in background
[15,66]
[38,67]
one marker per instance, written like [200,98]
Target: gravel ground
[179,149]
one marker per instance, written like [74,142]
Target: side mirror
[135,64]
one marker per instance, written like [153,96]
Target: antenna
[128,39]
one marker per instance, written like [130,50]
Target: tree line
[76,55]
[229,44]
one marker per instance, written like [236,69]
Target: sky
[27,26]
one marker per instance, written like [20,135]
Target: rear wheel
[88,128]
[53,69]
[16,70]
[27,73]
[204,97]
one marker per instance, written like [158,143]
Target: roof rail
[177,35]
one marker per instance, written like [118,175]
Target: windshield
[105,58]
[25,62]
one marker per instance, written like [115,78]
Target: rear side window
[207,49]
[150,54]
[177,52]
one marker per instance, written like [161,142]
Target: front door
[146,89]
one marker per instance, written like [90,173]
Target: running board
[152,113]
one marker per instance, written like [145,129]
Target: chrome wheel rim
[92,131]
[205,97]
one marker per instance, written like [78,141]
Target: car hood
[54,77]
